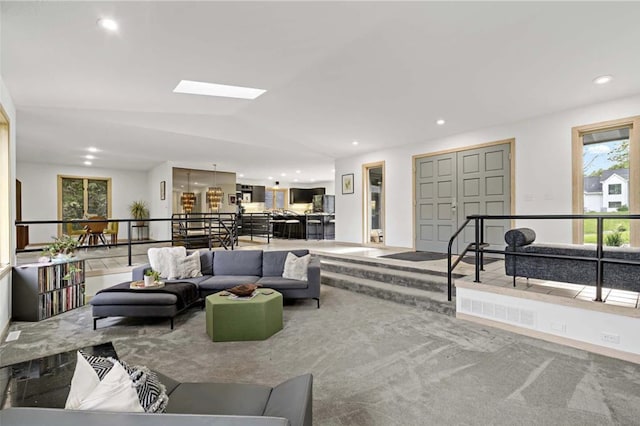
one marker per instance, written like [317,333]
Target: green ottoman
[254,319]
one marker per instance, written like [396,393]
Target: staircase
[400,283]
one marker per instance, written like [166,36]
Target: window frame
[577,146]
[7,229]
[614,185]
[85,183]
[274,191]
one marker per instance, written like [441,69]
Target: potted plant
[139,211]
[62,248]
[151,278]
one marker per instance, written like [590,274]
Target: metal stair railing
[479,246]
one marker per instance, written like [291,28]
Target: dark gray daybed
[578,271]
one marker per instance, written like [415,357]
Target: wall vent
[502,313]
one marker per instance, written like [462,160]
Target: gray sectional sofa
[220,270]
[578,271]
[223,269]
[193,404]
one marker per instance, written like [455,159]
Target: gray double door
[450,187]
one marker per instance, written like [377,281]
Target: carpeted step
[428,300]
[386,263]
[424,280]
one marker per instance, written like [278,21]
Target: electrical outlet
[611,338]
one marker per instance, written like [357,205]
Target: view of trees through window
[606,184]
[83,198]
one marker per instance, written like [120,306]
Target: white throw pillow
[295,267]
[115,392]
[163,259]
[107,384]
[187,267]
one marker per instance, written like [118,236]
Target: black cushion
[520,237]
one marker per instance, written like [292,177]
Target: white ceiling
[377,72]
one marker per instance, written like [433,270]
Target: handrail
[450,267]
[480,250]
[221,218]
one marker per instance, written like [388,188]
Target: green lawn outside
[609,226]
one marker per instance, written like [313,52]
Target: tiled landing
[495,277]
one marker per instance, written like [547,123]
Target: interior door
[450,187]
[484,187]
[435,204]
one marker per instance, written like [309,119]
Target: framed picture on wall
[163,189]
[347,183]
[232,199]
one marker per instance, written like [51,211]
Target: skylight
[212,89]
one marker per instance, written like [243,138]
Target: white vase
[148,281]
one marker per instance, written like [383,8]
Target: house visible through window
[606,172]
[83,197]
[615,189]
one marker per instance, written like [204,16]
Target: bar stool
[278,226]
[331,226]
[317,224]
[288,224]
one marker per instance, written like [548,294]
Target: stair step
[386,263]
[424,279]
[429,300]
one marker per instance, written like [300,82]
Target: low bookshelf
[43,290]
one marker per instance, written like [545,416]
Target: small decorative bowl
[243,290]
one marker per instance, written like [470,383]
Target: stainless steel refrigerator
[324,203]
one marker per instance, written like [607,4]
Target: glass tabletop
[44,382]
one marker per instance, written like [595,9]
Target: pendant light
[188,199]
[214,193]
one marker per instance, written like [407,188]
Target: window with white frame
[615,189]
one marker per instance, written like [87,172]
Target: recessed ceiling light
[603,79]
[181,186]
[87,163]
[298,171]
[313,180]
[440,122]
[270,177]
[89,157]
[354,143]
[195,183]
[295,180]
[108,24]
[283,174]
[212,89]
[92,149]
[241,175]
[333,170]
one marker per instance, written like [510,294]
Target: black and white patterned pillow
[152,394]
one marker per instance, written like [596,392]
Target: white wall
[542,172]
[568,322]
[40,193]
[160,208]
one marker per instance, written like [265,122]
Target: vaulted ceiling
[380,73]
